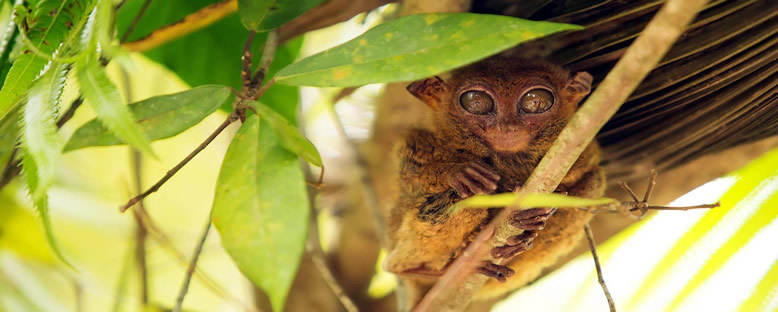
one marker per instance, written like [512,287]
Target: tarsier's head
[505,102]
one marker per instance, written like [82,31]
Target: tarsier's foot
[515,245]
[473,179]
[531,221]
[496,271]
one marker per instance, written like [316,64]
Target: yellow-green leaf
[529,201]
[105,99]
[421,45]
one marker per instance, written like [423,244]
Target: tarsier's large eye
[477,102]
[537,101]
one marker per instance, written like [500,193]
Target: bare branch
[600,279]
[231,118]
[455,288]
[135,20]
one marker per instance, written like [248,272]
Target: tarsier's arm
[428,170]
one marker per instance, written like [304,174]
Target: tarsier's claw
[496,271]
[474,179]
[531,219]
[515,245]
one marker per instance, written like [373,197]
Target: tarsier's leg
[529,220]
[561,234]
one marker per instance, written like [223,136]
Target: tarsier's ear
[430,90]
[578,86]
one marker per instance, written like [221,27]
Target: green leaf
[50,23]
[41,204]
[157,117]
[749,178]
[105,99]
[289,136]
[261,209]
[8,136]
[529,201]
[260,15]
[39,131]
[414,47]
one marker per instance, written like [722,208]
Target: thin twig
[245,58]
[164,241]
[192,265]
[141,233]
[70,112]
[600,279]
[456,287]
[271,45]
[317,256]
[13,166]
[262,90]
[11,169]
[135,21]
[230,119]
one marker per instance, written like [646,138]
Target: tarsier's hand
[473,178]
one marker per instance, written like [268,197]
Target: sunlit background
[720,260]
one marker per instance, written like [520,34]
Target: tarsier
[492,123]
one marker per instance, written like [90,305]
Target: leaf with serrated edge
[54,16]
[39,132]
[30,171]
[159,117]
[422,45]
[105,99]
[261,15]
[529,201]
[290,137]
[261,209]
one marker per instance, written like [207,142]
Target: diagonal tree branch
[455,288]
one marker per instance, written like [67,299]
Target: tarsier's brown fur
[424,236]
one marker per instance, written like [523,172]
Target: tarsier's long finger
[529,227]
[522,238]
[461,188]
[471,186]
[488,185]
[510,251]
[496,271]
[527,214]
[485,171]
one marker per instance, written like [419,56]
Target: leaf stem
[230,119]
[135,20]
